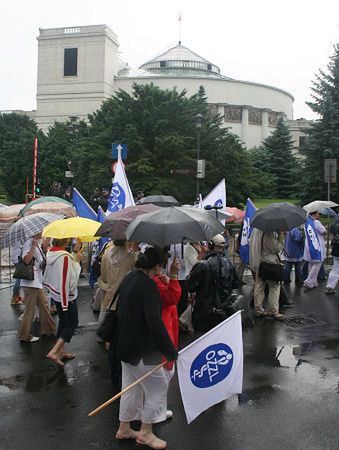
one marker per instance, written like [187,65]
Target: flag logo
[118,198]
[218,202]
[211,366]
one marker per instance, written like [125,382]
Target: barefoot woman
[141,340]
[61,281]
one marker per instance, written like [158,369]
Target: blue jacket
[294,245]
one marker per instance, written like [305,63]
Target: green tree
[323,136]
[17,134]
[263,181]
[159,129]
[280,161]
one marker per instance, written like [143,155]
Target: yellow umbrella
[74,227]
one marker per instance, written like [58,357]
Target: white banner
[211,368]
[217,196]
[121,195]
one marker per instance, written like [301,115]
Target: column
[244,124]
[264,124]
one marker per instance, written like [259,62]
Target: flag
[81,206]
[211,368]
[121,195]
[217,196]
[244,248]
[312,239]
[101,218]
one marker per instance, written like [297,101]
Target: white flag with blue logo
[312,239]
[121,195]
[217,196]
[244,248]
[211,368]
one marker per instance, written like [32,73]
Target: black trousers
[68,320]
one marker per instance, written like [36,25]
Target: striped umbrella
[45,199]
[27,227]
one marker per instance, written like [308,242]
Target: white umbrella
[319,204]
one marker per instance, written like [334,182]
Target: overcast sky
[280,43]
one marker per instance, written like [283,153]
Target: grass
[262,202]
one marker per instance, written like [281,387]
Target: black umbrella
[174,225]
[116,223]
[159,200]
[278,217]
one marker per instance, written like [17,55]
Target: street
[289,401]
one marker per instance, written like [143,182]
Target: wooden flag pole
[111,400]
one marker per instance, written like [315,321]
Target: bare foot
[55,359]
[126,434]
[67,356]
[150,440]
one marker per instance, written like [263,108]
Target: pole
[329,183]
[111,400]
[198,157]
[35,166]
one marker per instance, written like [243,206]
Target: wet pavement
[290,398]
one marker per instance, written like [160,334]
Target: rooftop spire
[179,20]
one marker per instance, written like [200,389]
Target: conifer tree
[323,136]
[282,164]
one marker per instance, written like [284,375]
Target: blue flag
[312,239]
[101,219]
[244,248]
[83,208]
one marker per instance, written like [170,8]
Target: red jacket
[170,294]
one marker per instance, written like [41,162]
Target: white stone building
[79,67]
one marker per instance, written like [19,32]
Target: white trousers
[333,276]
[147,401]
[313,270]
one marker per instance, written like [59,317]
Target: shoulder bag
[24,271]
[107,328]
[271,271]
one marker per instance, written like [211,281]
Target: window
[209,66]
[302,140]
[162,63]
[70,62]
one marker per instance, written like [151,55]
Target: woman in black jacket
[141,341]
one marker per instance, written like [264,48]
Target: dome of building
[181,61]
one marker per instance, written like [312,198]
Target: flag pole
[111,400]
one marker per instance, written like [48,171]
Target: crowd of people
[158,290]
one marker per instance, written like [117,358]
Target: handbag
[108,327]
[24,271]
[271,272]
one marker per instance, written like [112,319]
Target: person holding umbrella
[267,241]
[34,293]
[314,251]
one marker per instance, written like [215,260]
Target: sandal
[55,359]
[153,442]
[122,437]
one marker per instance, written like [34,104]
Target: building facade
[79,67]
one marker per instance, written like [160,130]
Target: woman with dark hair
[61,282]
[141,340]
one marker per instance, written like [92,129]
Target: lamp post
[73,130]
[198,126]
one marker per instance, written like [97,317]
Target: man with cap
[213,281]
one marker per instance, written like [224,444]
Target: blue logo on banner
[211,366]
[117,198]
[218,202]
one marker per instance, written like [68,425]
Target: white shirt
[37,282]
[176,250]
[16,252]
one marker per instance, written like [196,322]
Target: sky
[279,43]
